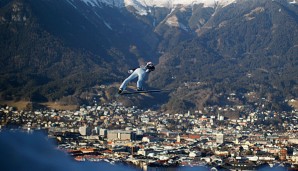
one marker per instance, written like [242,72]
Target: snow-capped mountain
[143,6]
[174,3]
[54,49]
[162,3]
[157,3]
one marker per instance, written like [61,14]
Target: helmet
[150,66]
[149,63]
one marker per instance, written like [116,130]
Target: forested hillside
[63,50]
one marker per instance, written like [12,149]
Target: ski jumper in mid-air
[141,73]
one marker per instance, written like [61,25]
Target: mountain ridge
[228,57]
[157,3]
[242,47]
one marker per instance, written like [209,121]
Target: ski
[140,92]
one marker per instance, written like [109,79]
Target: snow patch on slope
[144,4]
[114,3]
[173,3]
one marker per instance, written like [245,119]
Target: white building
[219,138]
[120,135]
[85,130]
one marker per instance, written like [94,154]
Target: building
[85,130]
[219,138]
[120,135]
[178,139]
[103,132]
[283,154]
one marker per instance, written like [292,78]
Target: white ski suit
[141,73]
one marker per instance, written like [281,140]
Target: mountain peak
[173,3]
[142,5]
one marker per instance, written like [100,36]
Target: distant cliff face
[54,49]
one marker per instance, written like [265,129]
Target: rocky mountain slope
[61,49]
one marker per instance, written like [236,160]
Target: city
[153,139]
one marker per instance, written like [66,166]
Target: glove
[130,71]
